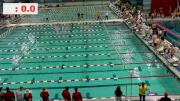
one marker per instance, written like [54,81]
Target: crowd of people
[44,94]
[176,13]
[152,34]
[76,96]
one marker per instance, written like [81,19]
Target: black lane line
[59,40]
[105,51]
[72,87]
[77,46]
[85,52]
[87,44]
[66,72]
[95,79]
[63,67]
[70,35]
[64,52]
[85,60]
[82,55]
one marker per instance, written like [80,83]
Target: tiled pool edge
[133,98]
[163,60]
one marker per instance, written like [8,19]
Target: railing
[167,30]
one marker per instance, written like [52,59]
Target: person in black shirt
[165,98]
[118,94]
[78,15]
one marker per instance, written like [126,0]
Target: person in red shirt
[8,96]
[77,95]
[66,95]
[28,95]
[44,94]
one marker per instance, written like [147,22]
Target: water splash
[16,60]
[25,48]
[149,63]
[57,28]
[32,39]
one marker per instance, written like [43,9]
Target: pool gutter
[163,60]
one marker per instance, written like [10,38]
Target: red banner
[166,6]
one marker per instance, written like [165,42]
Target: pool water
[95,57]
[174,27]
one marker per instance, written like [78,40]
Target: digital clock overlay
[20,8]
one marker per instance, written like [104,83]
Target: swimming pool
[95,57]
[173,36]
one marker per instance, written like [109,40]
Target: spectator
[165,98]
[44,94]
[1,94]
[77,95]
[97,14]
[157,42]
[8,96]
[118,94]
[19,94]
[78,15]
[142,91]
[28,95]
[172,51]
[106,15]
[82,15]
[66,95]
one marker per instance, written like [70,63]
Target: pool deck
[134,98]
[164,19]
[173,69]
[149,98]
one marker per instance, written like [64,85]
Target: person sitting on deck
[172,50]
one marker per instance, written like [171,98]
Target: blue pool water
[174,26]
